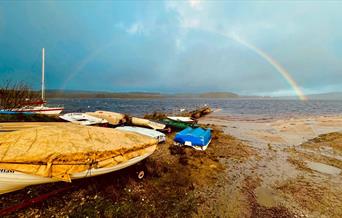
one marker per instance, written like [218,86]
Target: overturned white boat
[83,119]
[62,153]
[144,131]
[182,119]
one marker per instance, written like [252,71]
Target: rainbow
[79,67]
[280,69]
[275,64]
[283,72]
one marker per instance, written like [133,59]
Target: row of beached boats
[52,152]
[91,144]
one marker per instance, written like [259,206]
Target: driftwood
[200,112]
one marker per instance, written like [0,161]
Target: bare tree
[17,94]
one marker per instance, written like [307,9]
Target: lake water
[234,107]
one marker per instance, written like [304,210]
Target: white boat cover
[61,150]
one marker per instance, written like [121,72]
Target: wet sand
[296,167]
[281,132]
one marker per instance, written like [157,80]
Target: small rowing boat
[182,119]
[83,119]
[177,124]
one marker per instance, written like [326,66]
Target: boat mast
[43,76]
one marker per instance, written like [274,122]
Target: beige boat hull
[147,123]
[113,118]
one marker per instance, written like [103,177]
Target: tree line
[17,94]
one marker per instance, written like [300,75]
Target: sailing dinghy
[65,152]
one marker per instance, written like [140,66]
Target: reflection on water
[233,107]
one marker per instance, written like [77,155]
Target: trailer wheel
[141,174]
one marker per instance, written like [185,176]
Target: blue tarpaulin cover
[194,137]
[7,112]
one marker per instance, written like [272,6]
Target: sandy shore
[296,167]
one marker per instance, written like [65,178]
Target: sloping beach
[254,167]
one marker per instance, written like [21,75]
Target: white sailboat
[41,108]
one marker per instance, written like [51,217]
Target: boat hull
[12,180]
[177,124]
[40,110]
[147,123]
[113,118]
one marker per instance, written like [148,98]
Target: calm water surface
[232,107]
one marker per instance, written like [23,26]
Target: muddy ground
[230,179]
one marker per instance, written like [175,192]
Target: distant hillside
[218,95]
[94,94]
[322,96]
[327,96]
[98,94]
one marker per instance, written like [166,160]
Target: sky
[175,46]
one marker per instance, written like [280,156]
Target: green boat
[178,124]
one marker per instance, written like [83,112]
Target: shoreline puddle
[265,197]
